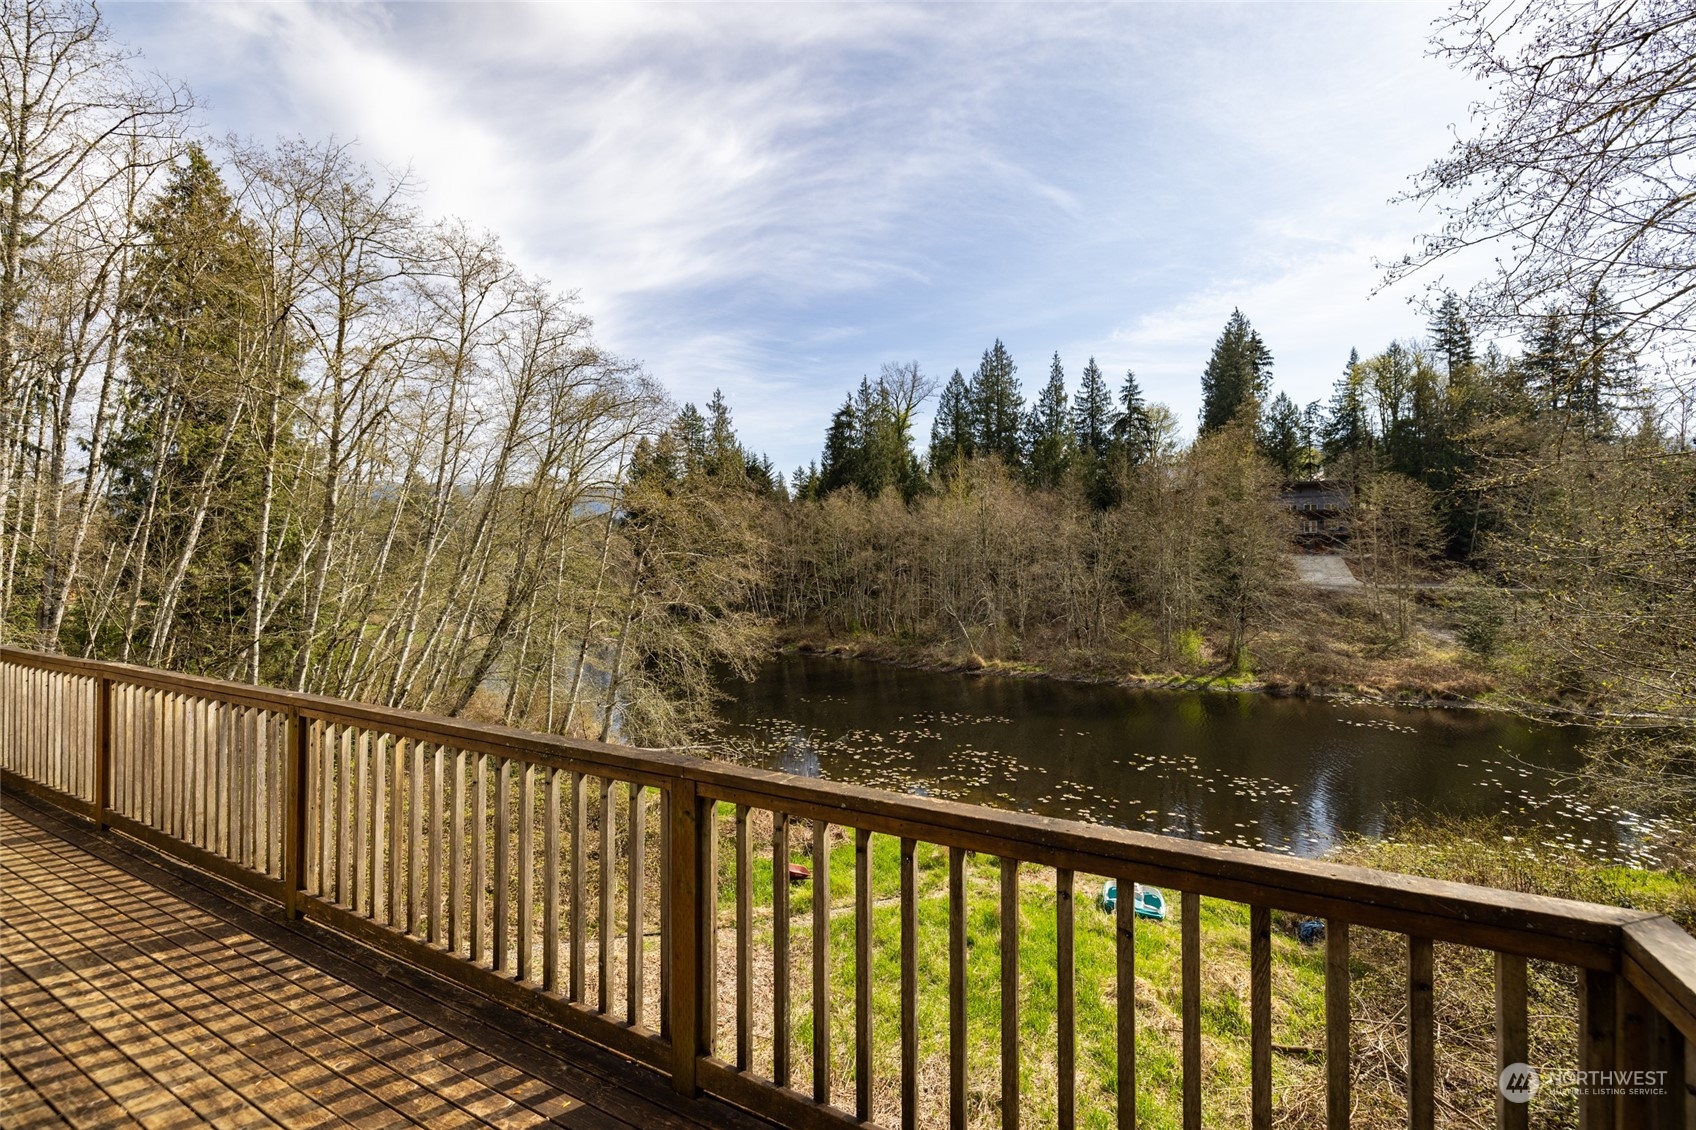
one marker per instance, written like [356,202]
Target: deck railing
[538,870]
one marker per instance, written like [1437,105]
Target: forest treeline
[1079,531]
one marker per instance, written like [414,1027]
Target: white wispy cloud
[772,199]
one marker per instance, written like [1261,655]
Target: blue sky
[775,199]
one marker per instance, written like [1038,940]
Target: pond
[1279,774]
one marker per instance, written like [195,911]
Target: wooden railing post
[683,946]
[294,814]
[1597,1046]
[102,750]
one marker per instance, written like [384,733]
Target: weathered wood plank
[550,884]
[780,1069]
[909,985]
[1260,1018]
[606,872]
[1010,994]
[1125,946]
[579,806]
[1338,1019]
[526,967]
[862,975]
[502,870]
[956,988]
[1513,1043]
[635,977]
[1421,1035]
[821,961]
[1065,1000]
[1190,944]
[1598,998]
[744,942]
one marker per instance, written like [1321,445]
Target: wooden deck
[132,994]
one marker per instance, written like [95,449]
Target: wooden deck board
[129,997]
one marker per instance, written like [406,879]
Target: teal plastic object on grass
[1147,902]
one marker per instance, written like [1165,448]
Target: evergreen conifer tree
[953,434]
[843,452]
[1346,436]
[998,407]
[1048,436]
[1237,376]
[1092,412]
[1451,337]
[1133,431]
[1280,437]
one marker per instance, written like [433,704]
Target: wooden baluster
[162,763]
[1338,1012]
[382,757]
[821,961]
[635,974]
[685,958]
[709,927]
[957,988]
[345,845]
[503,861]
[862,974]
[1260,1017]
[263,792]
[1634,1035]
[909,985]
[526,969]
[1513,1044]
[1667,1053]
[1421,1036]
[297,814]
[1065,991]
[667,950]
[433,872]
[1598,1000]
[1125,950]
[247,753]
[550,885]
[780,948]
[415,841]
[457,805]
[193,805]
[398,828]
[362,840]
[744,942]
[479,856]
[579,876]
[103,761]
[1190,942]
[328,845]
[314,799]
[1009,994]
[608,871]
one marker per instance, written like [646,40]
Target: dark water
[1281,774]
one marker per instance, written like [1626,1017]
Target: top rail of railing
[1654,953]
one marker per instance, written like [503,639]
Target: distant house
[1322,511]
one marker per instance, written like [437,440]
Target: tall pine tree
[1092,413]
[1451,337]
[1237,376]
[998,407]
[1048,433]
[953,434]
